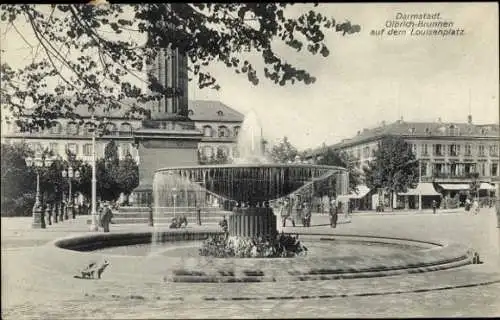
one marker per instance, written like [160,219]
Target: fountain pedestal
[252,222]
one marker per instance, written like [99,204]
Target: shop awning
[448,186]
[362,191]
[486,186]
[423,188]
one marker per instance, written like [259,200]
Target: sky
[368,78]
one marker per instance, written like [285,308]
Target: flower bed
[224,246]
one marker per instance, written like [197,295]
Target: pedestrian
[434,206]
[475,205]
[107,215]
[334,214]
[467,204]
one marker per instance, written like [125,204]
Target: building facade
[219,124]
[448,153]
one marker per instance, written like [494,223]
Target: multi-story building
[448,153]
[219,123]
[220,126]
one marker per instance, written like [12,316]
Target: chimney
[469,119]
[359,132]
[439,120]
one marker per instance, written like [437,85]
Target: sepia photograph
[170,160]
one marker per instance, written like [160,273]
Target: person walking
[475,206]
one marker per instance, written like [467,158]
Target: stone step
[166,220]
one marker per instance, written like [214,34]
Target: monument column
[167,137]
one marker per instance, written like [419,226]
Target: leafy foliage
[18,180]
[115,176]
[395,167]
[92,52]
[223,246]
[332,157]
[283,152]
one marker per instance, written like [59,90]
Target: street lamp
[38,214]
[70,174]
[93,225]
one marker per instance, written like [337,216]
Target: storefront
[425,191]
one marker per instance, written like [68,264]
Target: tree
[220,157]
[283,151]
[18,180]
[395,167]
[474,184]
[128,175]
[331,157]
[89,49]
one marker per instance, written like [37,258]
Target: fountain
[247,186]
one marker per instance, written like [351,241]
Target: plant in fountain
[224,246]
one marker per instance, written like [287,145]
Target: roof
[209,110]
[418,130]
[203,110]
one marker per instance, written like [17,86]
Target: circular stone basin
[317,247]
[329,257]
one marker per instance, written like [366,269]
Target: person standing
[107,215]
[434,206]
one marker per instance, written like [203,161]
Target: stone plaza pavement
[31,291]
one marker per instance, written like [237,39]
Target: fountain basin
[246,182]
[374,257]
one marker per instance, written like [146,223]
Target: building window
[88,128]
[72,128]
[454,150]
[484,131]
[207,131]
[453,130]
[207,151]
[438,169]
[223,131]
[414,148]
[481,150]
[411,131]
[427,131]
[72,147]
[423,148]
[236,131]
[56,128]
[53,146]
[87,149]
[494,169]
[125,129]
[468,149]
[423,169]
[110,128]
[469,168]
[223,150]
[125,149]
[37,147]
[482,169]
[190,112]
[438,150]
[220,113]
[494,150]
[366,152]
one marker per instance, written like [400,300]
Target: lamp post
[70,174]
[93,225]
[38,214]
